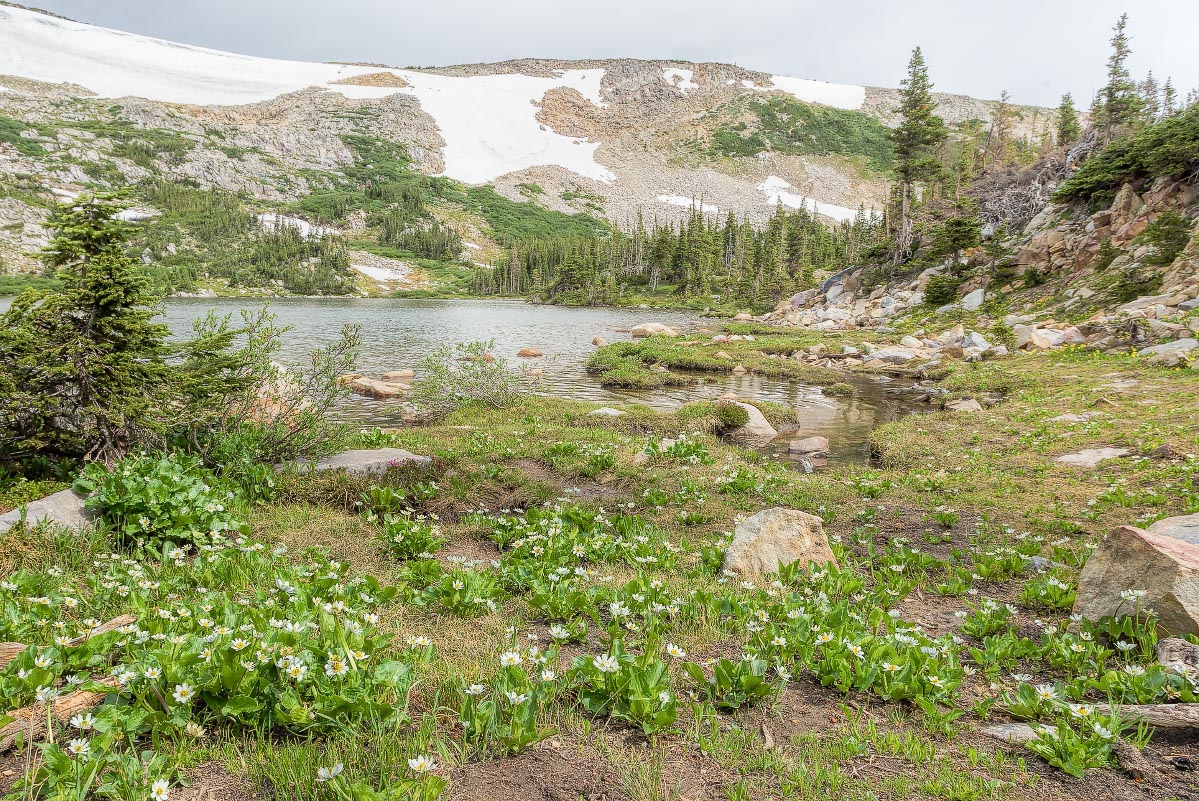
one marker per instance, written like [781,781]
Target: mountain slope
[82,106]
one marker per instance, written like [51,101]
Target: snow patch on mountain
[687,202]
[681,79]
[271,222]
[489,122]
[780,191]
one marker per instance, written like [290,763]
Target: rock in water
[776,537]
[755,433]
[398,375]
[528,353]
[599,342]
[62,509]
[1128,559]
[814,444]
[376,389]
[651,329]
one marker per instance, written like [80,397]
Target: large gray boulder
[1136,569]
[62,508]
[1183,527]
[756,433]
[362,463]
[776,537]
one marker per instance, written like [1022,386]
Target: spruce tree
[83,370]
[1068,129]
[1169,98]
[1120,102]
[917,141]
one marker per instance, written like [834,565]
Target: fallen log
[10,650]
[30,722]
[1161,716]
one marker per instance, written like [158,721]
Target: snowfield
[489,122]
[780,191]
[307,230]
[681,79]
[837,95]
[687,202]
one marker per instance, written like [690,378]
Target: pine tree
[1120,101]
[1068,129]
[1169,98]
[999,137]
[917,141]
[83,370]
[1151,100]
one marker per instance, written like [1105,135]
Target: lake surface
[398,333]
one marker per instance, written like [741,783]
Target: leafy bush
[941,290]
[1168,234]
[152,499]
[468,373]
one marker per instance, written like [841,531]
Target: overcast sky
[1036,49]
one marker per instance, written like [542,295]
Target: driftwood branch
[10,650]
[30,721]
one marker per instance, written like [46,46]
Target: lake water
[398,333]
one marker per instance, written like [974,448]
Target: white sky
[1036,49]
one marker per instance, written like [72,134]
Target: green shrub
[1168,234]
[155,498]
[731,415]
[468,373]
[941,289]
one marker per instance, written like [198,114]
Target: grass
[994,468]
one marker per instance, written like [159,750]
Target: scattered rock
[361,462]
[398,375]
[974,301]
[755,433]
[1163,569]
[1091,456]
[742,317]
[1179,656]
[63,509]
[529,353]
[814,444]
[652,329]
[720,354]
[606,411]
[776,537]
[963,405]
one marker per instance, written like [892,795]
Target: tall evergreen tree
[1120,102]
[83,369]
[1068,129]
[917,142]
[1169,98]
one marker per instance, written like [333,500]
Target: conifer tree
[1169,98]
[1068,129]
[917,141]
[83,369]
[1120,103]
[1151,100]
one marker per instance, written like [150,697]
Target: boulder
[652,329]
[1171,354]
[976,340]
[1091,456]
[974,300]
[605,411]
[63,509]
[892,355]
[398,375]
[1162,572]
[814,444]
[599,342]
[529,353]
[756,432]
[742,317]
[1184,527]
[911,342]
[776,537]
[720,354]
[739,370]
[359,463]
[373,388]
